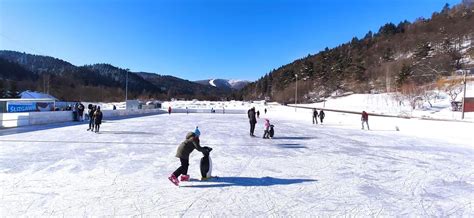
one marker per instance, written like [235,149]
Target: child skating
[266,132]
[184,150]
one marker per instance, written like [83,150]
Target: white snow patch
[212,83]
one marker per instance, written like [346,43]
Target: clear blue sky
[230,39]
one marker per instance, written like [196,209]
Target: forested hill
[98,82]
[398,55]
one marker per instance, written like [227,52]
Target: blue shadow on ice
[295,138]
[32,128]
[126,133]
[291,145]
[220,182]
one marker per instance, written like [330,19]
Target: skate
[184,178]
[174,180]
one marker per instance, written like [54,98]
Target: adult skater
[321,116]
[258,114]
[315,116]
[184,150]
[365,119]
[252,120]
[97,119]
[265,110]
[80,110]
[169,110]
[91,112]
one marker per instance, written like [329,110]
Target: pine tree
[445,9]
[14,93]
[2,89]
[403,75]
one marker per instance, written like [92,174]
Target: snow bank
[47,117]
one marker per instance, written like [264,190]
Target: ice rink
[331,169]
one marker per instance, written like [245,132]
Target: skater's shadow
[220,182]
[295,138]
[125,133]
[291,145]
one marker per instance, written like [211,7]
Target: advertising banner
[21,107]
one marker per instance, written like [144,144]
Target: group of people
[95,118]
[321,116]
[268,130]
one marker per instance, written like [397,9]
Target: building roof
[35,95]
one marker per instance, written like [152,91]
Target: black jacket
[321,114]
[98,117]
[251,115]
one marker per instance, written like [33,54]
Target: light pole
[464,97]
[296,91]
[126,86]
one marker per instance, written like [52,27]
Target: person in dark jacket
[258,114]
[321,116]
[184,150]
[252,120]
[365,119]
[315,116]
[91,112]
[97,119]
[80,110]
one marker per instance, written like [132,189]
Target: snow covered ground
[386,103]
[424,169]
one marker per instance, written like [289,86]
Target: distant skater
[265,110]
[97,119]
[80,110]
[315,116]
[258,114]
[169,110]
[365,119]
[321,116]
[91,112]
[252,120]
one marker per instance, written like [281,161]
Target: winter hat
[197,132]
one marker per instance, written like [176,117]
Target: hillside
[98,82]
[409,54]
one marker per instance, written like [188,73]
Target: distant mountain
[97,82]
[225,84]
[178,87]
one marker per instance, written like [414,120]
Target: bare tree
[453,87]
[412,93]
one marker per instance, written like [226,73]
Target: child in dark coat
[184,150]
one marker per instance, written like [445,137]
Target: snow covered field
[425,169]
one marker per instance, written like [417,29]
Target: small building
[35,95]
[469,104]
